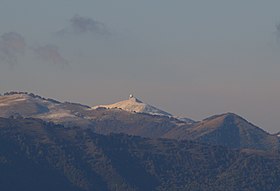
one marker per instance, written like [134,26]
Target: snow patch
[134,105]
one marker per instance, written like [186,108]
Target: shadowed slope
[78,159]
[229,130]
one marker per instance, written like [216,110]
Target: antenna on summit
[131,96]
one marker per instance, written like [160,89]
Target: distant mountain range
[134,117]
[37,155]
[129,146]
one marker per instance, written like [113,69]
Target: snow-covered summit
[132,104]
[23,104]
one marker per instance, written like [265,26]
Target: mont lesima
[139,95]
[129,145]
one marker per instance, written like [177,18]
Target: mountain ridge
[133,104]
[227,129]
[78,159]
[233,131]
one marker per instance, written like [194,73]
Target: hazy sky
[192,58]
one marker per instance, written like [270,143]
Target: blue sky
[192,58]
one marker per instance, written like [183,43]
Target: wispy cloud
[83,25]
[50,53]
[12,45]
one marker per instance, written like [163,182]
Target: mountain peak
[23,96]
[224,116]
[132,104]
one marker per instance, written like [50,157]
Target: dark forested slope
[35,155]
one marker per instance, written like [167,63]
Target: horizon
[192,59]
[137,98]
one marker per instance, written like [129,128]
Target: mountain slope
[229,130]
[104,121]
[132,117]
[80,160]
[22,104]
[135,105]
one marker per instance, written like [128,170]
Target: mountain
[29,105]
[101,120]
[229,130]
[132,104]
[37,155]
[133,117]
[135,105]
[23,104]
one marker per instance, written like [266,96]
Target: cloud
[83,25]
[12,45]
[50,53]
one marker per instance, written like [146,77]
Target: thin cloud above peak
[50,53]
[83,25]
[12,45]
